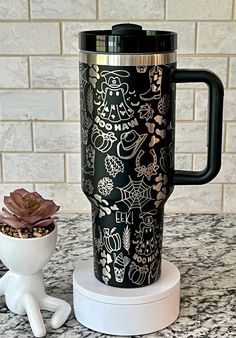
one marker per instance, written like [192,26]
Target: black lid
[127,38]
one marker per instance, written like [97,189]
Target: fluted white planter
[23,284]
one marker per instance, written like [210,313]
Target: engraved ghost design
[114,106]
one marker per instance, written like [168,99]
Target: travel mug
[128,82]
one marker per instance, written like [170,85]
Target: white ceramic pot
[23,284]
[27,256]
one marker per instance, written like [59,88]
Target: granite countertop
[202,246]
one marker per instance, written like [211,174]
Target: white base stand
[120,311]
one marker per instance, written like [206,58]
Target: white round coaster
[120,311]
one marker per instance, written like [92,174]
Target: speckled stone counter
[202,246]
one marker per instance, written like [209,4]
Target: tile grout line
[79,182]
[63,106]
[65,168]
[76,88]
[51,122]
[38,88]
[196,37]
[192,159]
[61,37]
[233,10]
[32,136]
[194,105]
[40,152]
[75,55]
[165,10]
[73,20]
[1,167]
[224,136]
[40,121]
[76,212]
[223,197]
[58,89]
[97,8]
[76,152]
[39,182]
[228,73]
[29,10]
[29,72]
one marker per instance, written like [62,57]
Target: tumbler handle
[215,98]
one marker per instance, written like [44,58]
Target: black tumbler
[128,82]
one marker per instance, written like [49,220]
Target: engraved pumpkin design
[102,141]
[137,274]
[112,240]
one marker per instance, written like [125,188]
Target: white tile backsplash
[184,104]
[71,32]
[33,167]
[39,92]
[229,198]
[55,72]
[196,199]
[57,137]
[71,104]
[230,137]
[131,10]
[14,72]
[183,161]
[29,38]
[227,173]
[217,37]
[197,10]
[190,137]
[69,196]
[14,10]
[201,105]
[15,136]
[73,168]
[63,9]
[185,31]
[30,105]
[232,72]
[216,64]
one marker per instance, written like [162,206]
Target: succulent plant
[26,209]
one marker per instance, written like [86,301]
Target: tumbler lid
[128,38]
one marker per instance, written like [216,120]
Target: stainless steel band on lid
[127,60]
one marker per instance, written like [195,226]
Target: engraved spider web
[135,194]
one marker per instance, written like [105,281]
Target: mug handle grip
[215,115]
